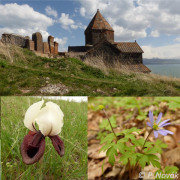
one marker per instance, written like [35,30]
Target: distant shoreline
[165,69]
[160,61]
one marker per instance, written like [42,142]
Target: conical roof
[98,22]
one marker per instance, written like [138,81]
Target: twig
[92,137]
[93,130]
[109,122]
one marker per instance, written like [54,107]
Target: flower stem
[140,152]
[146,139]
[109,122]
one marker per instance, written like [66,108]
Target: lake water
[165,69]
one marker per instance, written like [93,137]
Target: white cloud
[51,12]
[82,11]
[16,16]
[177,39]
[127,35]
[65,21]
[154,34]
[73,26]
[23,20]
[162,16]
[169,51]
[25,32]
[61,42]
[68,23]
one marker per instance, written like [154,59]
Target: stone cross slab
[51,44]
[38,44]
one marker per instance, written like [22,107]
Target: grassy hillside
[24,73]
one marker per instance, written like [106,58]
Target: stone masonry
[51,44]
[36,44]
[45,48]
[30,44]
[13,39]
[37,38]
[55,48]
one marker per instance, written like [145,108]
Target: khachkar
[55,47]
[46,48]
[51,44]
[29,43]
[38,43]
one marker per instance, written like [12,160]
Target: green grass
[23,70]
[73,165]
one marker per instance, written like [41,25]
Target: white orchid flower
[50,122]
[49,118]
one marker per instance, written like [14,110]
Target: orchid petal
[162,132]
[50,119]
[149,124]
[33,110]
[151,117]
[58,144]
[155,134]
[159,117]
[32,147]
[163,122]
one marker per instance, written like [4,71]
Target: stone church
[99,41]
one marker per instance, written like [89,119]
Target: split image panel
[57,151]
[133,138]
[104,138]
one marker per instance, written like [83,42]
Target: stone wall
[46,47]
[30,44]
[94,36]
[14,39]
[36,44]
[55,48]
[51,44]
[37,38]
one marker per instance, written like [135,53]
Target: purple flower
[157,125]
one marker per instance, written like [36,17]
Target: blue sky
[154,24]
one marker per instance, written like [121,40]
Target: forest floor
[126,113]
